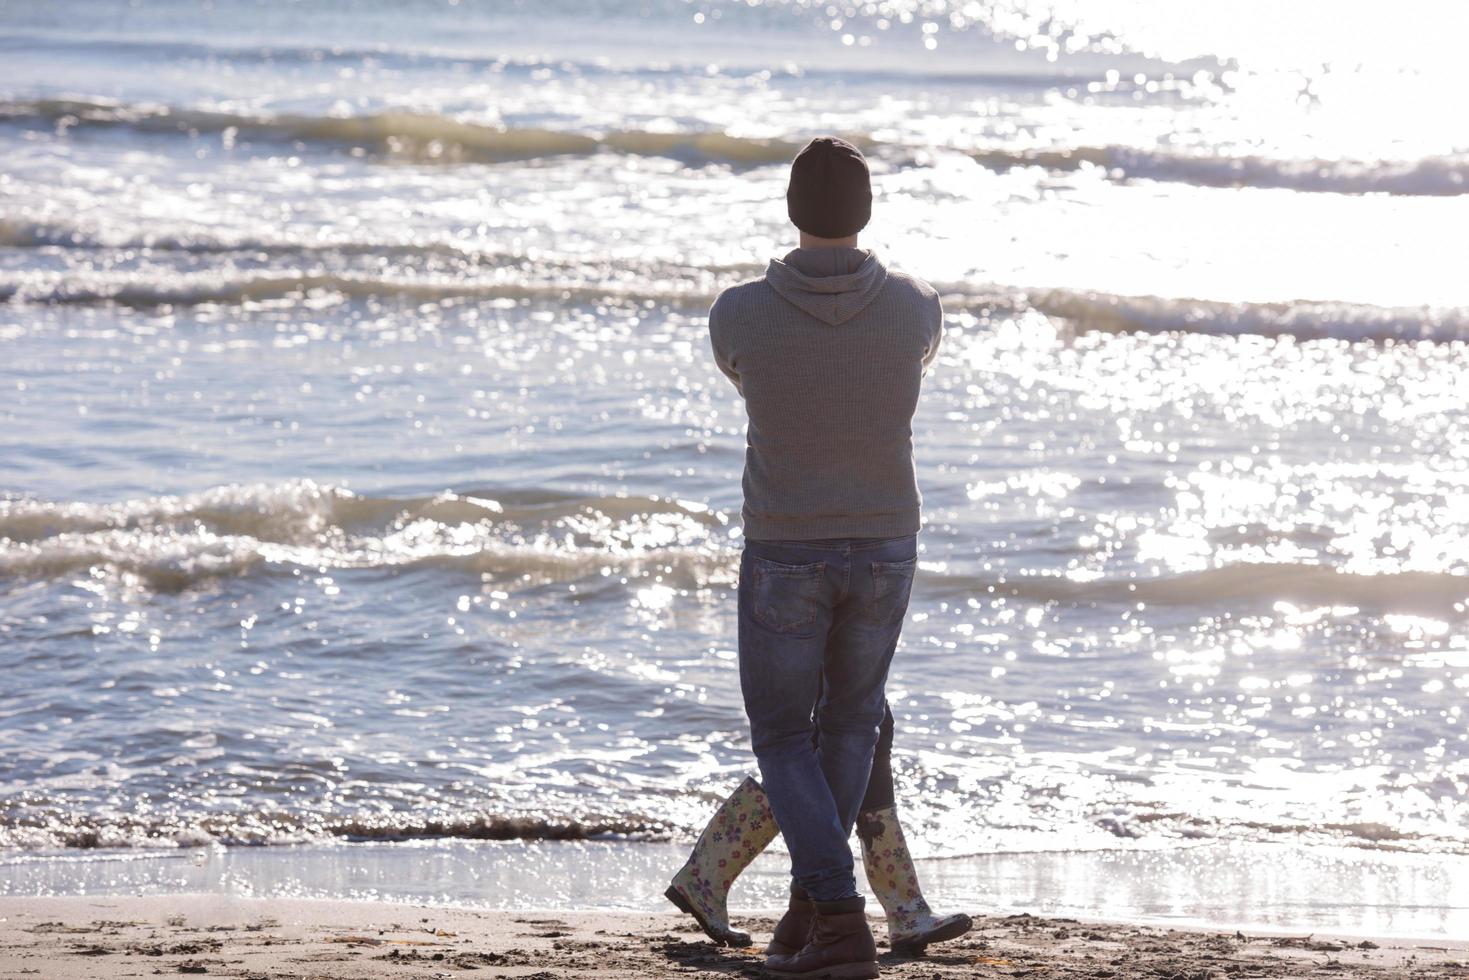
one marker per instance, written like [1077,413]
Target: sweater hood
[831,284]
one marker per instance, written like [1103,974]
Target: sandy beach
[274,939]
[373,492]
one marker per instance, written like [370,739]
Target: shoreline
[292,939]
[1254,888]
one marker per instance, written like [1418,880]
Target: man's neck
[812,241]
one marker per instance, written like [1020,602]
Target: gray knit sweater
[828,350]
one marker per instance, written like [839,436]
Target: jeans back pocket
[786,598]
[892,584]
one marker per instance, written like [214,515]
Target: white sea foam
[174,543]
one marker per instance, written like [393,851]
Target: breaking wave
[177,543]
[401,135]
[1104,825]
[21,233]
[481,276]
[431,138]
[1426,593]
[1307,319]
[268,286]
[172,544]
[1439,176]
[50,831]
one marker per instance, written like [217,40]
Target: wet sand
[275,939]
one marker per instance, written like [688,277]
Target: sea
[369,498]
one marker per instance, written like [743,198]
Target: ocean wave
[463,258]
[1140,823]
[500,276]
[431,138]
[1244,583]
[1103,825]
[21,233]
[1023,73]
[1307,319]
[281,286]
[420,137]
[57,831]
[171,544]
[175,543]
[1437,176]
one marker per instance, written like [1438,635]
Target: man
[828,350]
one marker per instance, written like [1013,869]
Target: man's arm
[723,356]
[937,335]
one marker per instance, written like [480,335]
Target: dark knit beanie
[830,193]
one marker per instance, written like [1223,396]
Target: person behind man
[828,350]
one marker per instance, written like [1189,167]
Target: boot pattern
[742,828]
[893,878]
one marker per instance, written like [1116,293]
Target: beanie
[830,193]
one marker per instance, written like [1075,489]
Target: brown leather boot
[840,947]
[794,927]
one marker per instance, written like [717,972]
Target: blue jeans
[818,622]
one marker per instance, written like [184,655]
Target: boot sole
[841,971]
[916,944]
[721,938]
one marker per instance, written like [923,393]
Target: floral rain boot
[911,923]
[741,828]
